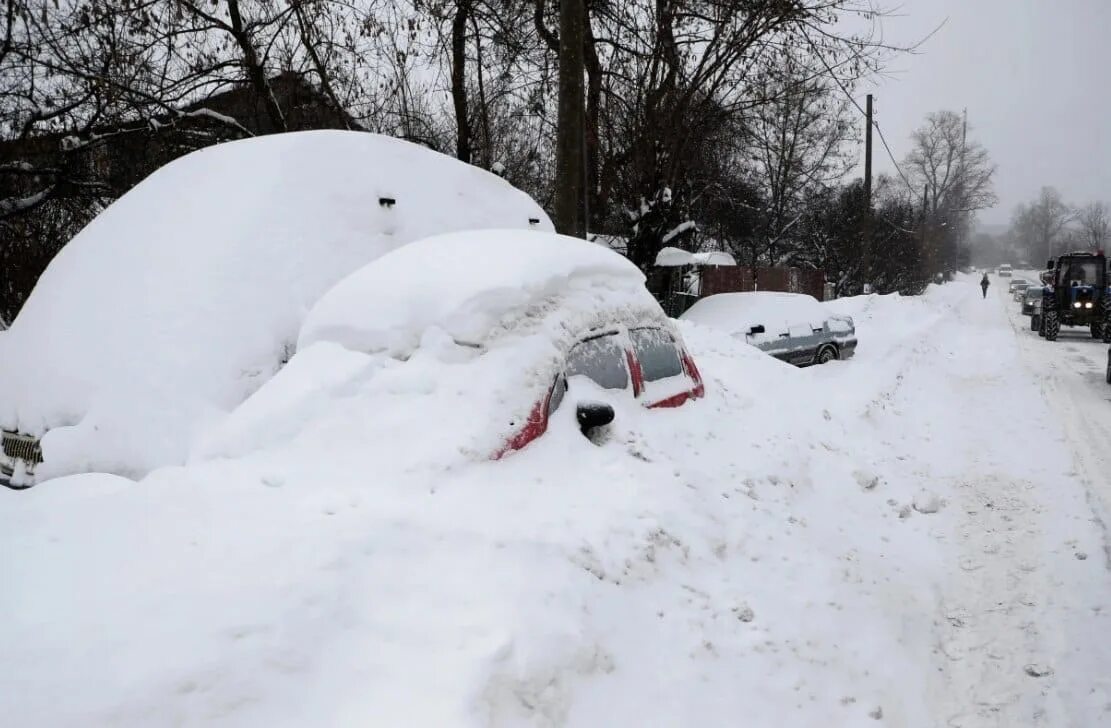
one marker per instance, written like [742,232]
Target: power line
[849,96]
[892,156]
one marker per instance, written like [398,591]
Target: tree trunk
[459,79]
[570,122]
[593,104]
[255,72]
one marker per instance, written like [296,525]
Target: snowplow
[1076,294]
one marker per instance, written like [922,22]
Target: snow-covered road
[1020,438]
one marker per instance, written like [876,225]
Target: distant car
[1016,282]
[1004,271]
[793,327]
[1031,300]
[557,321]
[1018,287]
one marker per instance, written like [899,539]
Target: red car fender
[535,426]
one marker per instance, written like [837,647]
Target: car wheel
[1109,367]
[1051,324]
[827,355]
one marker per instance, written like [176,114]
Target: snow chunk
[469,284]
[186,294]
[926,502]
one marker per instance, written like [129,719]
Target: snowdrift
[352,565]
[187,293]
[467,330]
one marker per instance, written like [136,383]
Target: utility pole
[868,153]
[570,149]
[866,247]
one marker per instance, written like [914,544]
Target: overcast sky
[1035,76]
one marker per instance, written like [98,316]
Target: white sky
[1035,76]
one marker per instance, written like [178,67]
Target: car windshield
[602,359]
[657,354]
[1081,273]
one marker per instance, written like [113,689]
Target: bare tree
[1095,224]
[1037,228]
[954,177]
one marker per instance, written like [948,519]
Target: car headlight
[1088,305]
[1076,305]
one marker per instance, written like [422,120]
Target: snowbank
[187,293]
[482,321]
[736,313]
[354,563]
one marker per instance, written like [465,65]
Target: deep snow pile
[735,559]
[185,295]
[485,317]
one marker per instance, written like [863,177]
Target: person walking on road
[984,283]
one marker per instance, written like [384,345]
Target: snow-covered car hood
[187,293]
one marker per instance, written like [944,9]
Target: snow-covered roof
[670,257]
[185,294]
[736,313]
[474,285]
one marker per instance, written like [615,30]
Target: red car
[532,314]
[650,360]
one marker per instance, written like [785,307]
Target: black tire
[1109,367]
[1052,325]
[1107,319]
[827,354]
[1097,329]
[1041,324]
[1034,322]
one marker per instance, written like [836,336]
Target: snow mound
[736,313]
[473,285]
[187,293]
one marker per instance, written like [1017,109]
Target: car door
[803,342]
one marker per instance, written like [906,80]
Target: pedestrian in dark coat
[984,283]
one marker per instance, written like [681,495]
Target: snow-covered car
[500,329]
[186,294]
[1017,284]
[793,327]
[1004,271]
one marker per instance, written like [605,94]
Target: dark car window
[559,388]
[656,351]
[602,359]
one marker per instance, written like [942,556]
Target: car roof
[479,287]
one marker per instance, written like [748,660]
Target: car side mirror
[593,414]
[1049,265]
[758,329]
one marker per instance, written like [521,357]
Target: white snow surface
[736,313]
[185,295]
[754,557]
[670,257]
[471,283]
